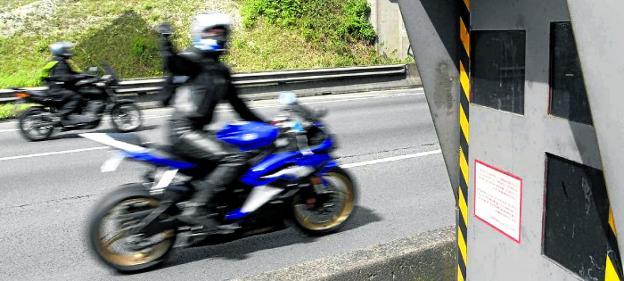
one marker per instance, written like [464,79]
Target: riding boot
[71,120]
[197,211]
[72,102]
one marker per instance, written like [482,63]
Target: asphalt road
[48,188]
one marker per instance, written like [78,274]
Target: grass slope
[270,34]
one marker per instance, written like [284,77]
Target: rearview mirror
[93,70]
[287,98]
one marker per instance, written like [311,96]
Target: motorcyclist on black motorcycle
[61,75]
[209,82]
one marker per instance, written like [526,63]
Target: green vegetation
[11,4]
[316,20]
[269,47]
[356,21]
[287,34]
[319,21]
[8,111]
[273,34]
[116,32]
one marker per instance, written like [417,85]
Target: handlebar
[109,78]
[297,130]
[306,113]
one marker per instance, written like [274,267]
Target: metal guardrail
[259,79]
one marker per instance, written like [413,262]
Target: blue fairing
[319,159]
[325,146]
[248,135]
[330,165]
[158,161]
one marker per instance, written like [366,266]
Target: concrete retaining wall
[428,256]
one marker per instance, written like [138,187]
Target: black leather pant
[219,179]
[71,102]
[205,148]
[168,91]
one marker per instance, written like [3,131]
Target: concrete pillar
[388,23]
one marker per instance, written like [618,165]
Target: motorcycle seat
[167,152]
[38,93]
[164,151]
[45,95]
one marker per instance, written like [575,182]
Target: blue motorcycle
[291,177]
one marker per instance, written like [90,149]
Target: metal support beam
[598,32]
[433,28]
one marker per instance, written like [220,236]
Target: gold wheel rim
[337,219]
[132,258]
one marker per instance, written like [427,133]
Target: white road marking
[52,153]
[391,159]
[346,166]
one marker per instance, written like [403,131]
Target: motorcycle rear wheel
[34,124]
[120,250]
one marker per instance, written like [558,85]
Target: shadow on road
[240,249]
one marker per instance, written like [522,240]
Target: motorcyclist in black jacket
[209,82]
[61,75]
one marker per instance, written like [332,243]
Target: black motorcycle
[98,98]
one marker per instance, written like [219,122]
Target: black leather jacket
[209,82]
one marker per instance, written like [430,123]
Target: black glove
[164,29]
[165,32]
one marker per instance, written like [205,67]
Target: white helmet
[207,41]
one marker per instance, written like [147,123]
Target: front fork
[318,182]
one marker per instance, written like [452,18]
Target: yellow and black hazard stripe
[613,267]
[464,138]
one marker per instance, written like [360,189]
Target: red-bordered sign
[498,199]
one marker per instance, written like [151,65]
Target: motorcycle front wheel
[35,124]
[126,117]
[319,214]
[110,239]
